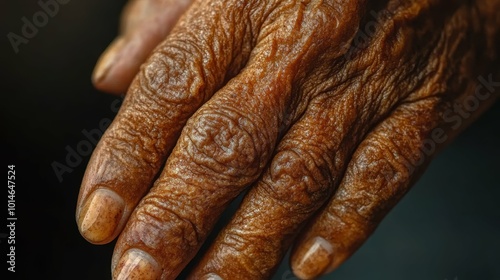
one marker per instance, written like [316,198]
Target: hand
[327,114]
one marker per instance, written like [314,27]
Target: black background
[448,227]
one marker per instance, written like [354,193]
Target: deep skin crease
[284,99]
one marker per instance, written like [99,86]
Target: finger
[380,172]
[395,153]
[223,148]
[177,79]
[301,177]
[145,24]
[306,169]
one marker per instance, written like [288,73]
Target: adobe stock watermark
[454,117]
[362,38]
[29,29]
[75,154]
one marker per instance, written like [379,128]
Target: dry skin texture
[322,108]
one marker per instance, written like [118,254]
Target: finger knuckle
[383,165]
[299,177]
[224,144]
[348,218]
[128,143]
[377,178]
[175,75]
[243,251]
[160,217]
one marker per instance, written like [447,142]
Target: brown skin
[144,25]
[281,97]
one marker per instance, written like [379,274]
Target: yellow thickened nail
[100,216]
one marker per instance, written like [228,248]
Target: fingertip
[110,74]
[100,216]
[107,59]
[136,264]
[312,258]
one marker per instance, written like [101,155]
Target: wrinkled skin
[323,112]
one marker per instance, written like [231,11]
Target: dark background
[448,227]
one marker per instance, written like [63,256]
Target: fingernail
[211,276]
[100,215]
[313,258]
[107,60]
[137,264]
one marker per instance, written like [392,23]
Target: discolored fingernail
[211,276]
[313,258]
[137,264]
[107,60]
[100,215]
